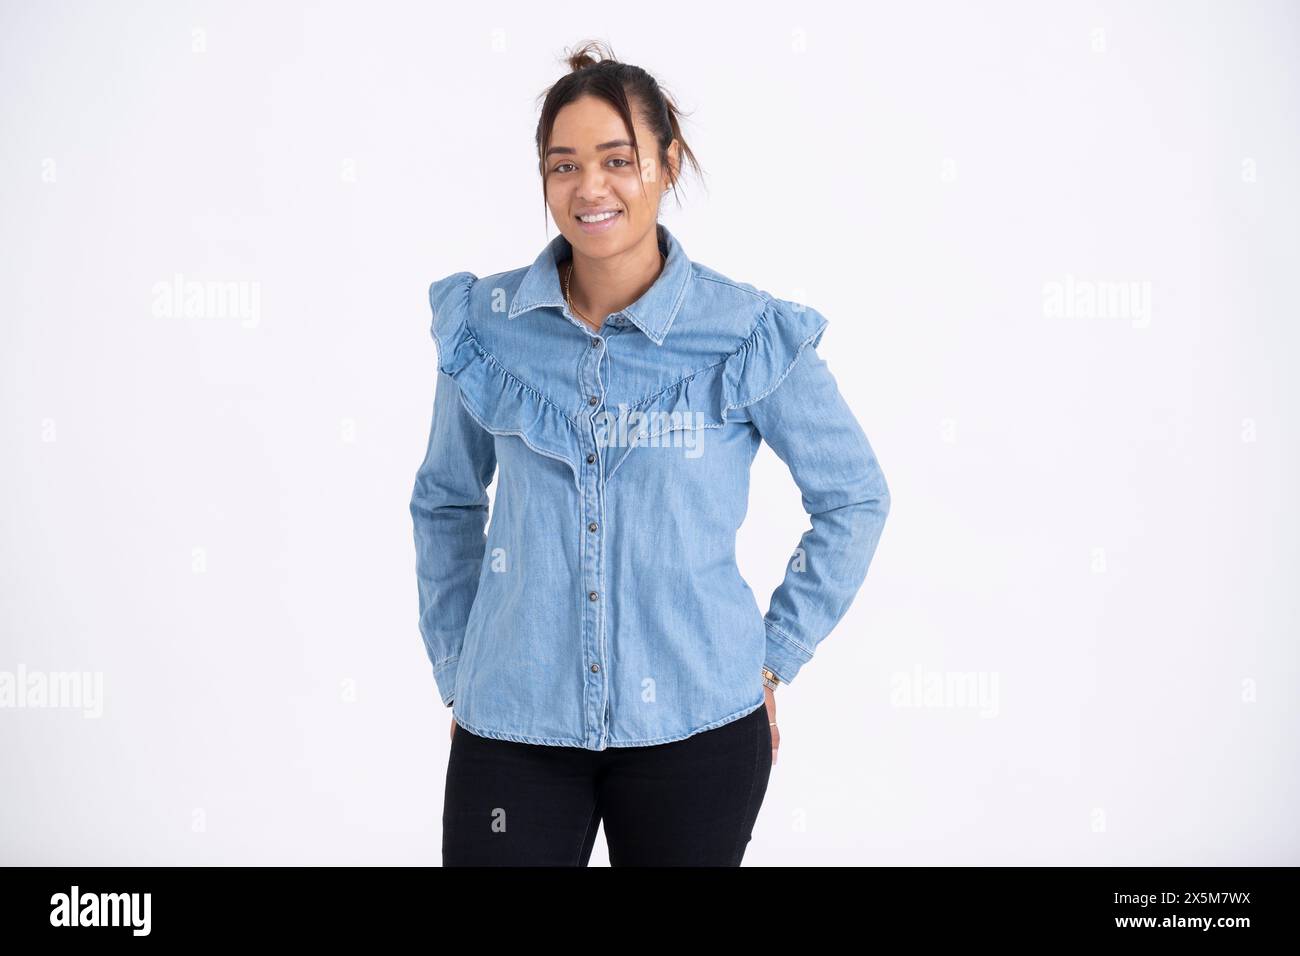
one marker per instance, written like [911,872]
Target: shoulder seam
[732,284]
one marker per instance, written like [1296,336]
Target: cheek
[559,200]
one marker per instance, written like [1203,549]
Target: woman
[604,658]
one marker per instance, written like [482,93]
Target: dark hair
[624,87]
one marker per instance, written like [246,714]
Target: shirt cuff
[785,655]
[445,676]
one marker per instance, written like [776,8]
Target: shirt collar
[653,313]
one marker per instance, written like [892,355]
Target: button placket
[596,695]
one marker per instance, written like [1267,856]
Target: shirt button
[591,595]
[595,343]
[595,668]
[592,526]
[590,458]
[593,400]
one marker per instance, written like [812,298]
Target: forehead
[589,121]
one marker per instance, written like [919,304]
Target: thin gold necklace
[569,272]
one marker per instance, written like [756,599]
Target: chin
[606,244]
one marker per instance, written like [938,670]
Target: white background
[1089,512]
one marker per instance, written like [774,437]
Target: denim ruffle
[708,397]
[765,358]
[497,400]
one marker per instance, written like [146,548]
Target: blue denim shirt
[603,607]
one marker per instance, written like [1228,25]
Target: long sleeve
[449,508]
[808,424]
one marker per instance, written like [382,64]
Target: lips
[600,226]
[597,212]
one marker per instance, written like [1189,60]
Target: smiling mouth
[600,217]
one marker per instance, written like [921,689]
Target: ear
[674,161]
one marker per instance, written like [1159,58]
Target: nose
[592,187]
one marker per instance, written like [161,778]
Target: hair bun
[591,53]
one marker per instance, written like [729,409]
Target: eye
[620,159]
[561,166]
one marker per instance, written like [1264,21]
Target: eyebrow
[612,144]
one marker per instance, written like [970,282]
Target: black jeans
[691,802]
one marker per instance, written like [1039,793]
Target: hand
[771,719]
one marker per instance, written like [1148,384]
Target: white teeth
[600,217]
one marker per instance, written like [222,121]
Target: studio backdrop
[1056,247]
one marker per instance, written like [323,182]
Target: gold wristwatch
[770,679]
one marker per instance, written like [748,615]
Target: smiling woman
[605,660]
[629,103]
[610,144]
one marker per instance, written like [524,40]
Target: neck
[600,287]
